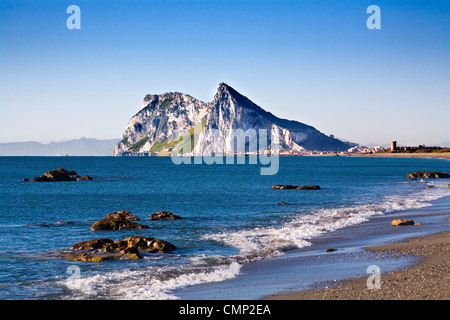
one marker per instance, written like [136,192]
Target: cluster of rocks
[60,174]
[103,249]
[427,175]
[125,220]
[288,186]
[130,248]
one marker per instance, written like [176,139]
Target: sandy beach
[427,280]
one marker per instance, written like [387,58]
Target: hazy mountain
[444,144]
[79,147]
[155,127]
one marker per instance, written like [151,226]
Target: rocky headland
[157,127]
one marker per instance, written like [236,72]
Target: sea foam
[162,282]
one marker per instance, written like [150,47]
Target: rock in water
[85,177]
[122,215]
[427,175]
[56,175]
[60,174]
[147,244]
[402,222]
[116,224]
[288,186]
[92,244]
[98,250]
[164,215]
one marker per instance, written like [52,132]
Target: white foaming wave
[150,283]
[259,243]
[161,289]
[161,283]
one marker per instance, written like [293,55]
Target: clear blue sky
[313,61]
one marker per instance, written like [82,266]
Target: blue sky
[312,61]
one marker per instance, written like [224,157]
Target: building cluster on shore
[366,150]
[352,151]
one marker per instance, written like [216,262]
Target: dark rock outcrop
[288,186]
[148,244]
[60,174]
[103,249]
[402,222]
[164,215]
[85,177]
[118,220]
[427,175]
[122,215]
[116,224]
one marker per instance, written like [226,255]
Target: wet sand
[429,279]
[312,267]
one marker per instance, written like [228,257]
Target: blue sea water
[232,217]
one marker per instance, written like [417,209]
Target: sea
[232,218]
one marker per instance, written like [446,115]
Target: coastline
[292,276]
[429,279]
[435,155]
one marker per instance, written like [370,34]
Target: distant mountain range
[155,128]
[78,147]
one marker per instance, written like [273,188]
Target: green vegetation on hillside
[135,147]
[179,141]
[125,141]
[157,147]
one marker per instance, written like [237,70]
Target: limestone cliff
[156,128]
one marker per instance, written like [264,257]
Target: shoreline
[301,269]
[433,155]
[428,279]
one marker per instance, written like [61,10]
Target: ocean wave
[151,283]
[161,282]
[265,242]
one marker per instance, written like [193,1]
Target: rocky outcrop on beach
[98,250]
[402,222]
[118,220]
[60,174]
[164,215]
[288,186]
[427,175]
[155,129]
